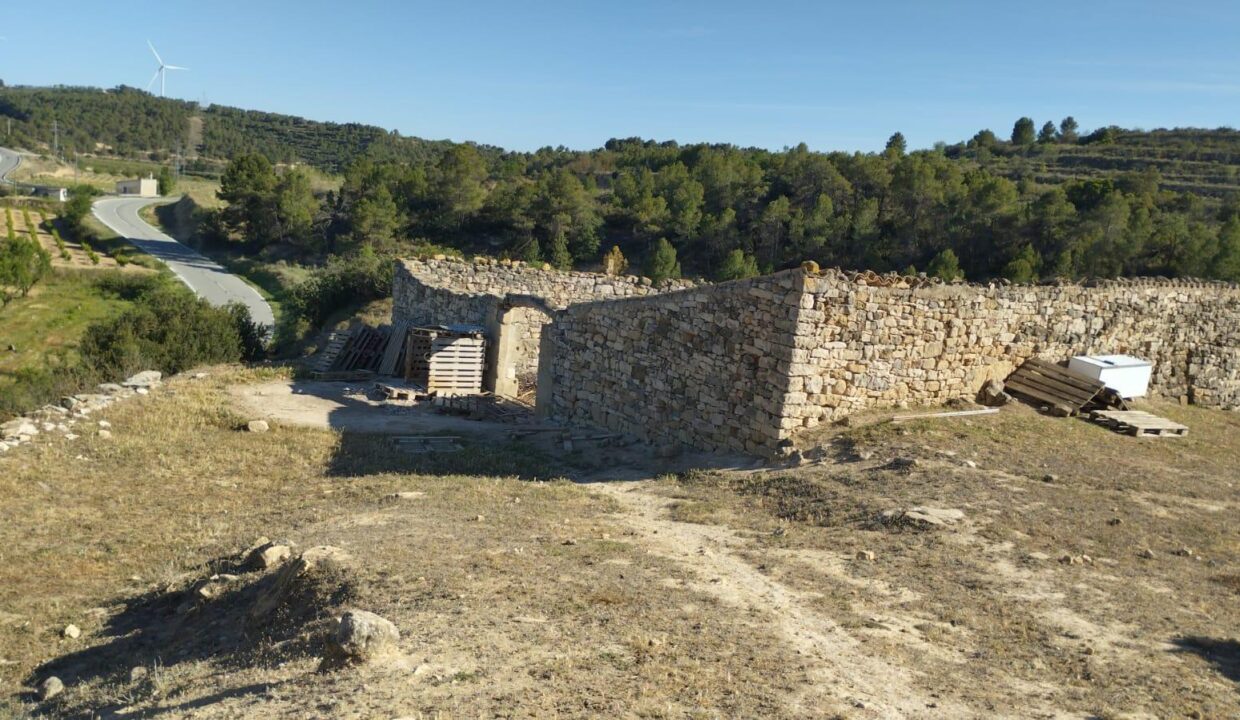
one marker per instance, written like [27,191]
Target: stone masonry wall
[447,291]
[703,367]
[748,365]
[861,347]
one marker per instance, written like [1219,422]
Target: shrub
[167,330]
[662,263]
[343,282]
[738,266]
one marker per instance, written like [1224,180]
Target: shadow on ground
[164,628]
[1224,655]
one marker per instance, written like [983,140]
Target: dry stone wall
[748,365]
[703,367]
[862,347]
[446,291]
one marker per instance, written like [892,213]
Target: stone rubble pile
[74,412]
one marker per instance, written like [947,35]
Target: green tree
[1047,134]
[1023,132]
[167,183]
[737,266]
[376,220]
[1068,130]
[1226,263]
[296,206]
[1024,267]
[662,263]
[461,188]
[896,145]
[23,263]
[945,266]
[248,187]
[559,256]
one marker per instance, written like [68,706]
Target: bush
[129,286]
[343,282]
[171,331]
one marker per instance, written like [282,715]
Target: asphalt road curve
[204,276]
[9,161]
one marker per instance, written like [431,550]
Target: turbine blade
[152,82]
[175,67]
[157,57]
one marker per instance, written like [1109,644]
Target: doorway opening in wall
[514,358]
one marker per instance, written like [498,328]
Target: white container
[1127,375]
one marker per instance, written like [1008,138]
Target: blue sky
[838,76]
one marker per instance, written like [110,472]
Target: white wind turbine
[162,71]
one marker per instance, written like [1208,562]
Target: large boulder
[360,637]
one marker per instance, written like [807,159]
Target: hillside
[129,123]
[1199,161]
[1055,204]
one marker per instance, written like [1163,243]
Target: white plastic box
[1127,375]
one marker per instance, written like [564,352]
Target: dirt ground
[1079,573]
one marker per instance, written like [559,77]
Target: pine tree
[560,258]
[738,266]
[945,266]
[662,264]
[1022,132]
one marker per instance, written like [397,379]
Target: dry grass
[708,594]
[540,608]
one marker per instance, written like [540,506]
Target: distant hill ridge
[128,122]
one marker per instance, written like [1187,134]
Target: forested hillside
[1054,202]
[127,122]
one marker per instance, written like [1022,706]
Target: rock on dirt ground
[360,637]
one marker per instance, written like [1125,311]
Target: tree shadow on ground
[163,628]
[1224,655]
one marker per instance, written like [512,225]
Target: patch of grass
[45,326]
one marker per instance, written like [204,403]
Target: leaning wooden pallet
[1064,391]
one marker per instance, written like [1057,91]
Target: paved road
[205,277]
[9,161]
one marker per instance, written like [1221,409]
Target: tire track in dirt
[845,678]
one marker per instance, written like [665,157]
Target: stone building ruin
[747,365]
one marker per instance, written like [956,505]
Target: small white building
[56,193]
[141,187]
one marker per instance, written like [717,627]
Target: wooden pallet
[364,351]
[445,362]
[1066,392]
[327,356]
[394,351]
[1138,423]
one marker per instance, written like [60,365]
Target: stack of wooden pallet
[1138,424]
[445,361]
[1062,390]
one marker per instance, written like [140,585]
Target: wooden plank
[959,413]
